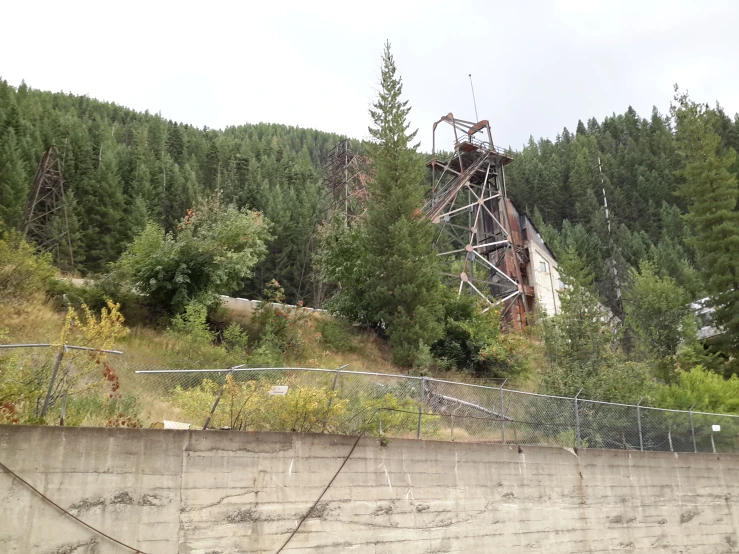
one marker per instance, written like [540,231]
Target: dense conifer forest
[122,168]
[559,182]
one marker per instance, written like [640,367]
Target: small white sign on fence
[716,428]
[278,390]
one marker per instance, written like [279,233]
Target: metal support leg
[420,406]
[54,372]
[577,421]
[502,412]
[638,422]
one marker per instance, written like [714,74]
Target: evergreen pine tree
[405,279]
[176,143]
[13,182]
[105,231]
[712,192]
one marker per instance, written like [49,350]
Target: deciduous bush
[22,270]
[249,406]
[474,341]
[212,252]
[25,378]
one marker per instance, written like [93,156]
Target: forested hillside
[124,167]
[168,217]
[558,181]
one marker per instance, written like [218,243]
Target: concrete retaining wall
[245,307]
[216,492]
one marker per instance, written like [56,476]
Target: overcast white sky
[537,66]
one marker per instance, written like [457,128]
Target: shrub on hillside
[249,406]
[25,377]
[280,329]
[22,270]
[474,341]
[212,252]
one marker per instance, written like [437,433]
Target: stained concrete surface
[218,492]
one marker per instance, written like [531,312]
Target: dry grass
[40,320]
[368,353]
[32,321]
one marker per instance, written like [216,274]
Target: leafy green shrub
[424,359]
[336,334]
[192,341]
[388,414]
[474,341]
[25,378]
[212,252]
[235,338]
[568,439]
[22,270]
[249,406]
[96,294]
[708,391]
[279,328]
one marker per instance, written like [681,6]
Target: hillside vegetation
[165,217]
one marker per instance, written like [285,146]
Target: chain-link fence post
[638,423]
[502,412]
[54,371]
[577,421]
[422,384]
[692,428]
[336,382]
[331,399]
[220,393]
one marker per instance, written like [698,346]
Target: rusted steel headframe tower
[46,222]
[481,251]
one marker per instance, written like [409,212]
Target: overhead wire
[313,507]
[7,470]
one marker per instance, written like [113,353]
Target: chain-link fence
[70,385]
[341,401]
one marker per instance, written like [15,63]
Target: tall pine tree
[712,192]
[13,182]
[405,279]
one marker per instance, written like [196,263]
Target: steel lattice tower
[46,222]
[479,239]
[346,178]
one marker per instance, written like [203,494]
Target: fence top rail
[255,369]
[417,378]
[432,380]
[66,347]
[687,411]
[513,391]
[585,400]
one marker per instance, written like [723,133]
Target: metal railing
[340,401]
